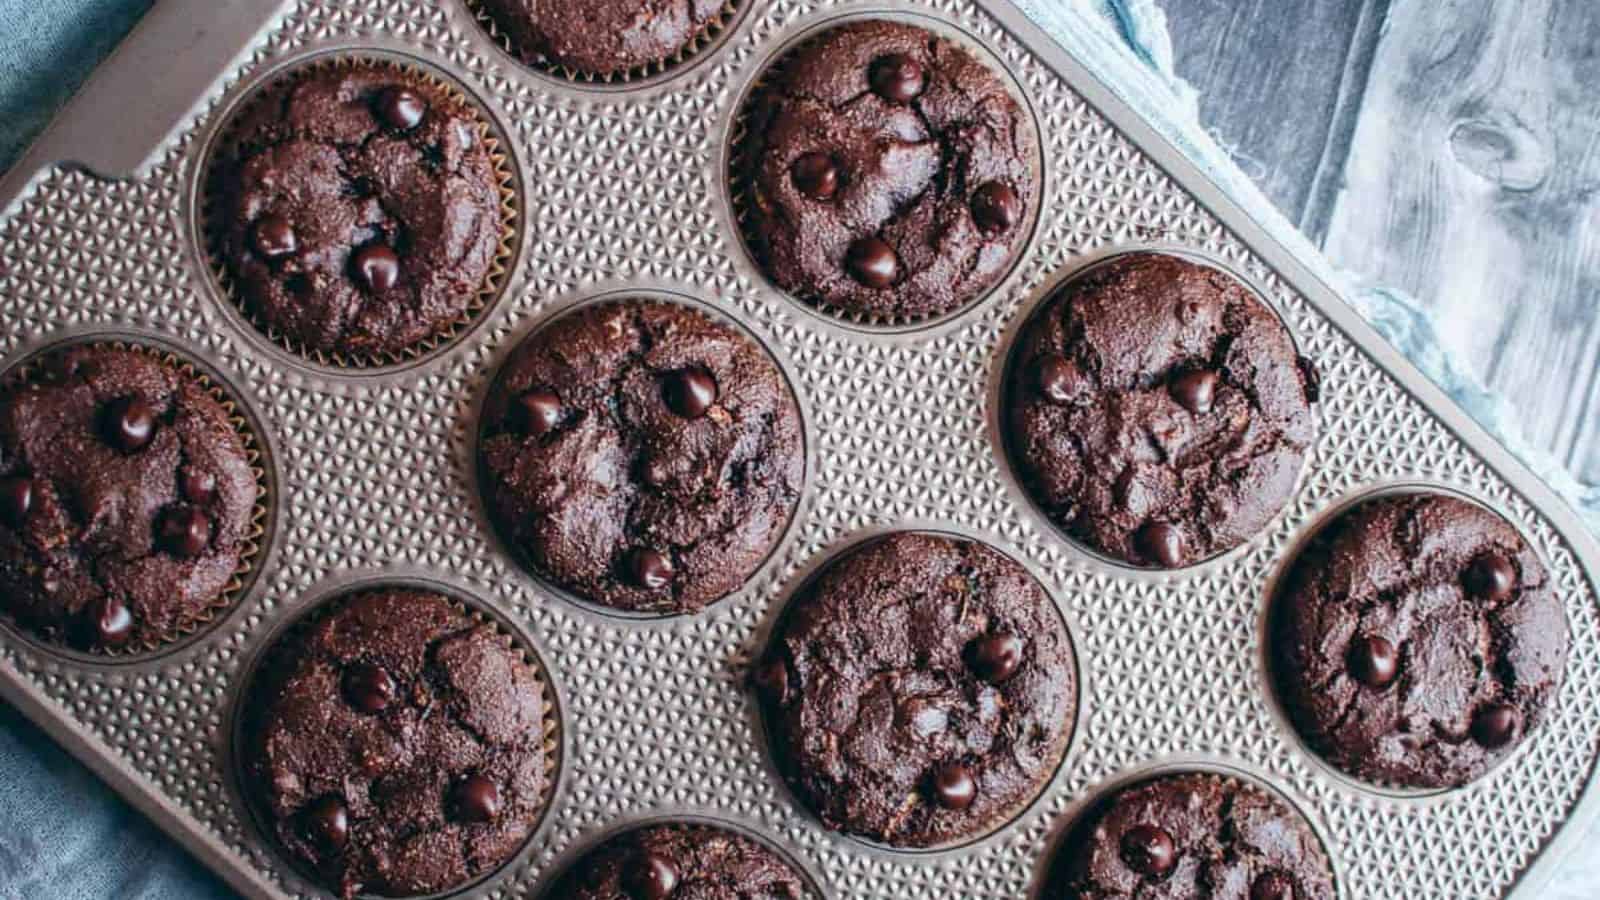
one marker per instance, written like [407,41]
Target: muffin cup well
[1074,827]
[256,538]
[702,40]
[1002,826]
[580,850]
[260,675]
[482,479]
[741,162]
[1007,362]
[1273,602]
[212,231]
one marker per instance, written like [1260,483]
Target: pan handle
[148,85]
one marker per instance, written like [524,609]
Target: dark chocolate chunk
[650,876]
[690,392]
[873,262]
[1495,725]
[475,799]
[898,78]
[954,787]
[273,237]
[369,688]
[129,424]
[538,412]
[16,499]
[401,108]
[327,824]
[1161,543]
[105,622]
[376,267]
[1149,850]
[650,569]
[1373,661]
[995,657]
[185,532]
[1273,885]
[816,175]
[1195,390]
[996,207]
[1491,577]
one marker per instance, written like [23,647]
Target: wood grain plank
[1277,78]
[1474,183]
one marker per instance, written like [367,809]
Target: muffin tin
[624,188]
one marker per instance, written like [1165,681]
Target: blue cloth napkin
[65,836]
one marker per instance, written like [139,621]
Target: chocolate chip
[816,175]
[1272,886]
[326,823]
[1161,542]
[650,876]
[689,392]
[537,412]
[105,622]
[1495,725]
[1373,661]
[185,532]
[369,687]
[1491,577]
[996,208]
[1059,379]
[995,657]
[475,799]
[1149,850]
[873,262]
[650,569]
[376,267]
[273,237]
[198,486]
[897,78]
[400,108]
[128,423]
[772,680]
[954,787]
[16,498]
[1195,390]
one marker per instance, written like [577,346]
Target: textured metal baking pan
[625,188]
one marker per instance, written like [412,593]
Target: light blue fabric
[64,836]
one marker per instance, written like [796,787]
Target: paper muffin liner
[255,540]
[214,178]
[265,673]
[743,160]
[1075,830]
[702,39]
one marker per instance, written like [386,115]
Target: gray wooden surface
[1447,147]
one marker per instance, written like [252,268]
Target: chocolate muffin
[657,862]
[1158,411]
[601,37]
[126,499]
[921,691]
[889,173]
[1194,837]
[642,455]
[1418,641]
[360,211]
[397,745]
